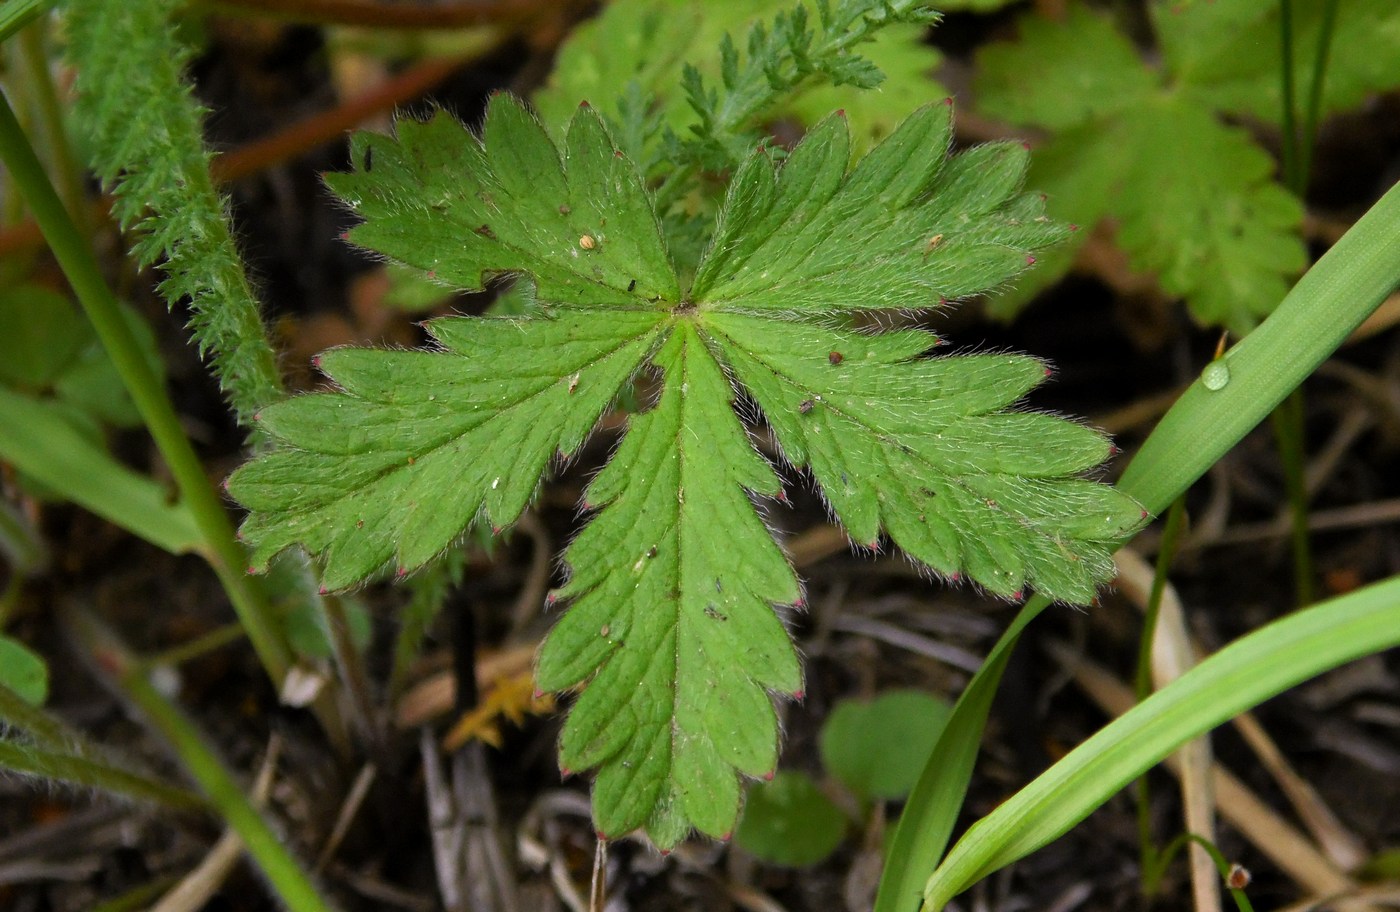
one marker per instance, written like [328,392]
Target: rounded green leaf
[43,334]
[788,821]
[878,747]
[23,671]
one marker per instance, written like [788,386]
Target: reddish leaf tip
[538,694]
[584,104]
[316,362]
[948,101]
[1018,595]
[322,590]
[1030,260]
[768,776]
[1025,145]
[401,572]
[550,598]
[799,694]
[664,852]
[252,571]
[1144,515]
[841,112]
[955,577]
[345,235]
[1073,226]
[496,530]
[799,603]
[565,772]
[727,836]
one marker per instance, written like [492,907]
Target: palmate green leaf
[672,635]
[1193,198]
[417,444]
[921,448]
[671,623]
[467,209]
[905,228]
[1229,50]
[1228,239]
[1060,74]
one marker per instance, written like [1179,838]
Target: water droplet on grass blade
[1215,375]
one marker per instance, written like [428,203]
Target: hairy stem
[52,751]
[70,248]
[55,766]
[144,133]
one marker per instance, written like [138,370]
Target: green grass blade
[42,728]
[16,14]
[283,872]
[37,440]
[1330,301]
[21,546]
[39,744]
[1238,677]
[51,767]
[923,830]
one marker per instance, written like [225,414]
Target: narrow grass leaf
[36,438]
[1238,677]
